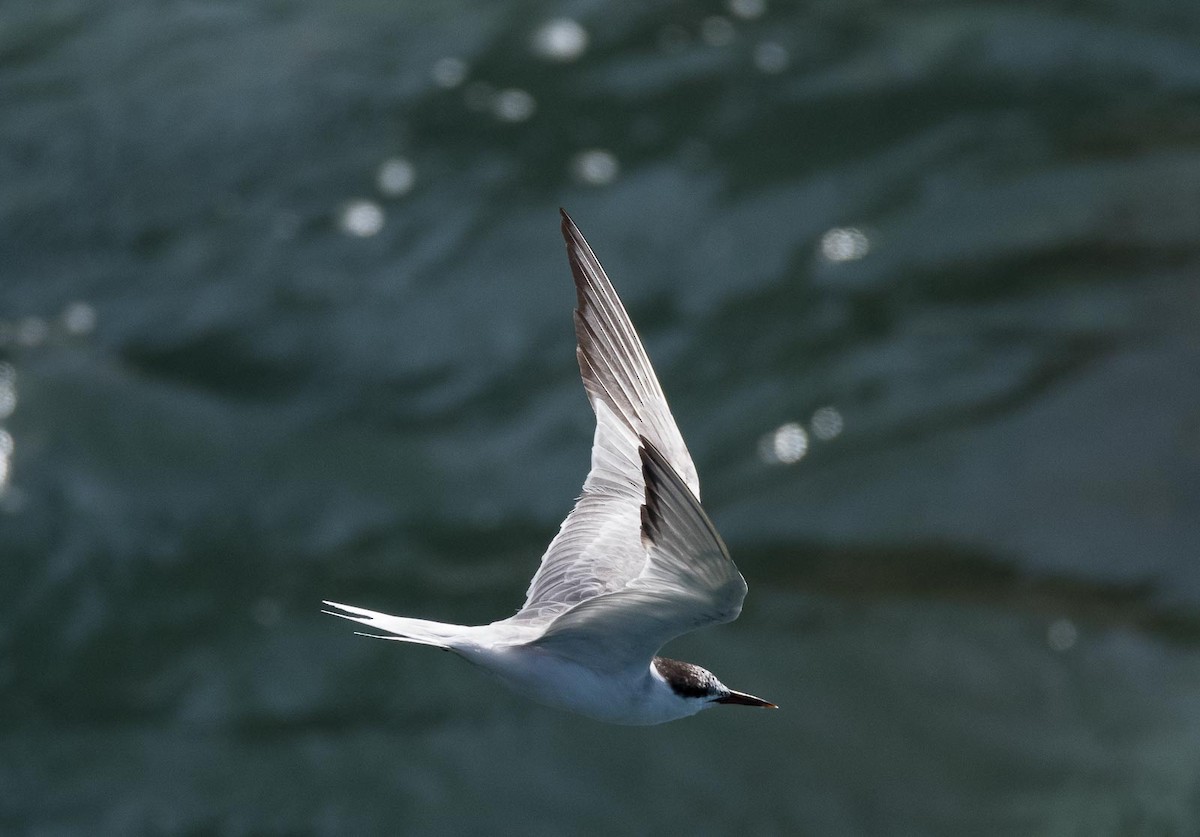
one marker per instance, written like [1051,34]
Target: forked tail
[401,628]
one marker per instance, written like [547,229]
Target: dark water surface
[285,315]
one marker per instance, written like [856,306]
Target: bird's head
[693,683]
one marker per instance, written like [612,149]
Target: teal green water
[285,315]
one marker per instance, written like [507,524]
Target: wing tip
[578,253]
[570,232]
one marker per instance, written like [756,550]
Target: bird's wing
[599,547]
[613,363]
[687,581]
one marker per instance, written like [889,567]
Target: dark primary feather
[671,513]
[689,555]
[687,581]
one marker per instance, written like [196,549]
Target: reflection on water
[595,167]
[786,444]
[844,244]
[1062,635]
[561,39]
[826,423]
[8,389]
[396,177]
[8,403]
[513,105]
[79,319]
[6,450]
[449,72]
[771,57]
[26,337]
[362,218]
[747,9]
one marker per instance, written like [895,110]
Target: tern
[636,563]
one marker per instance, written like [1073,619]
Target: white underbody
[514,652]
[638,697]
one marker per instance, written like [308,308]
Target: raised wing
[688,581]
[613,363]
[599,547]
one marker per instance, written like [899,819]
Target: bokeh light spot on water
[716,31]
[513,105]
[396,177]
[32,331]
[449,72]
[826,423]
[771,57]
[79,319]
[561,39]
[8,390]
[747,9]
[844,244]
[784,445]
[361,218]
[595,167]
[6,449]
[1062,635]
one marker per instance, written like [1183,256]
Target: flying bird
[636,563]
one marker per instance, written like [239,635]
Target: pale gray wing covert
[599,549]
[688,581]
